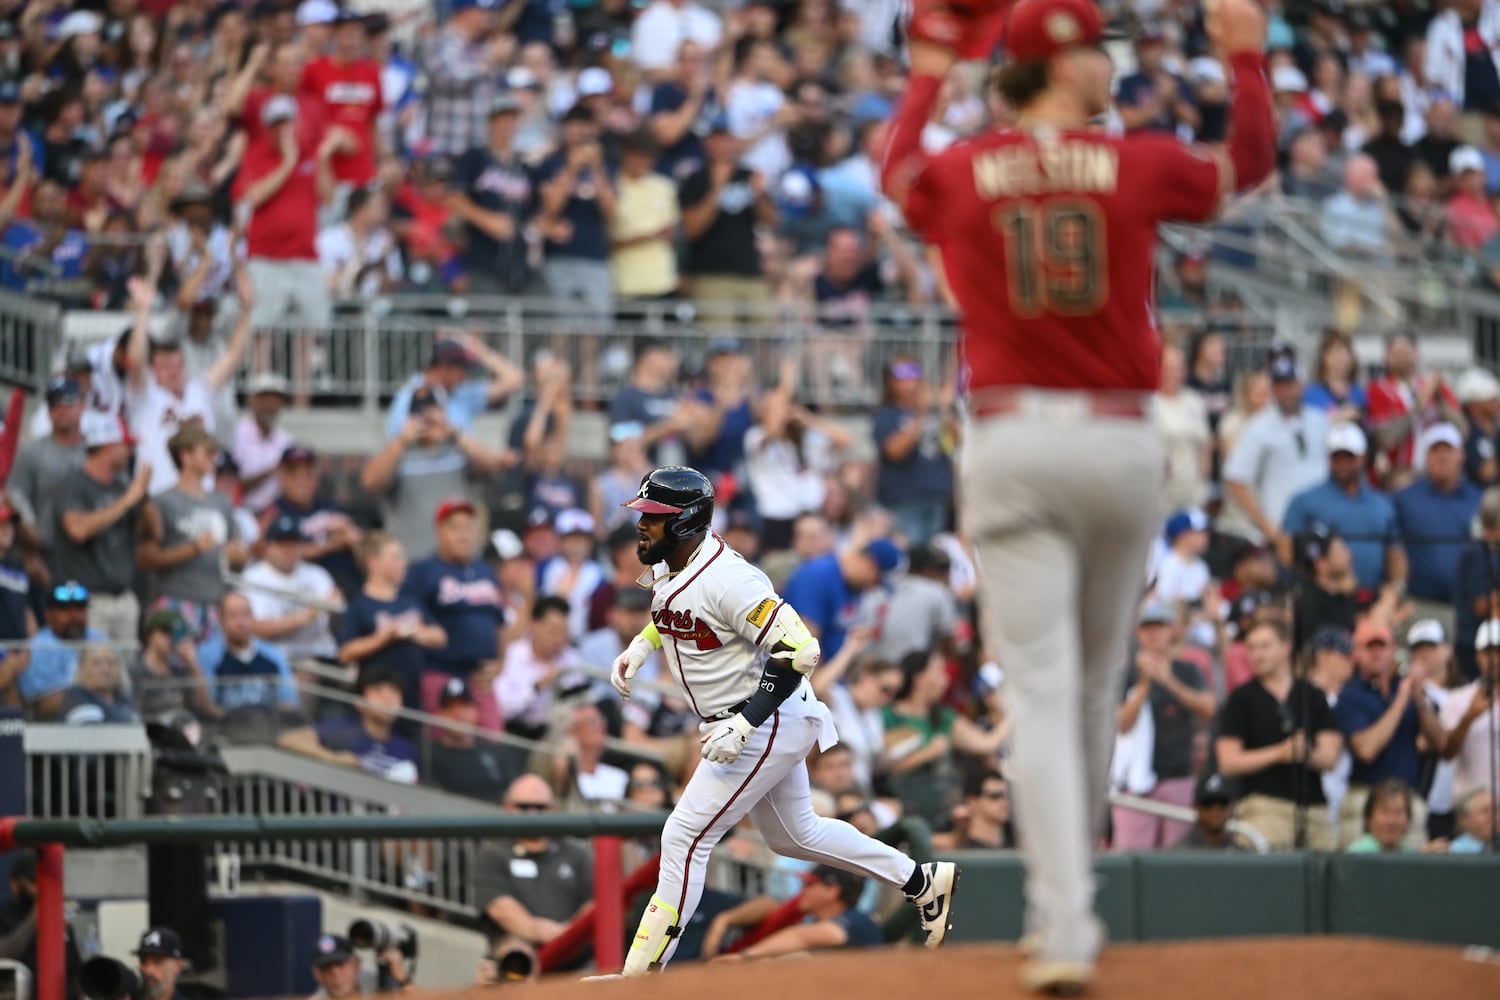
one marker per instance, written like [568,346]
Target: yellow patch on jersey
[761,613]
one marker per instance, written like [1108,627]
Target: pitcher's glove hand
[723,740]
[969,28]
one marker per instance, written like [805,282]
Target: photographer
[336,967]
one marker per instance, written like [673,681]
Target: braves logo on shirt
[684,626]
[472,592]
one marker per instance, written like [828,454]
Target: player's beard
[650,555]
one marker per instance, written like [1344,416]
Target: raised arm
[229,362]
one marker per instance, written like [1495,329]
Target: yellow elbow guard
[652,636]
[789,640]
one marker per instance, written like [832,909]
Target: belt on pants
[730,711]
[1003,402]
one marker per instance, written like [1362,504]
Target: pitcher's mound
[1308,968]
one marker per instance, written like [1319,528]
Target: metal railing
[30,336]
[100,772]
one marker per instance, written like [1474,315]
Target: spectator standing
[494,194]
[188,535]
[160,397]
[426,463]
[167,678]
[461,595]
[96,695]
[260,441]
[1182,417]
[1403,403]
[920,612]
[368,742]
[1346,503]
[383,628]
[680,100]
[242,671]
[97,513]
[1478,393]
[572,574]
[532,887]
[577,205]
[651,402]
[1475,584]
[788,456]
[459,762]
[1460,58]
[1335,384]
[664,26]
[359,256]
[346,83]
[17,618]
[826,590]
[1381,716]
[462,66]
[1433,517]
[448,381]
[536,668]
[643,231]
[277,586]
[1391,152]
[914,435]
[1281,451]
[332,534]
[1326,585]
[53,665]
[42,464]
[1153,98]
[1278,772]
[1471,218]
[1471,718]
[1172,695]
[722,203]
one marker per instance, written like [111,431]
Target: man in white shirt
[160,398]
[663,26]
[274,585]
[535,668]
[259,440]
[1471,716]
[1282,451]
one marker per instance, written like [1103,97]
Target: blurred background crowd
[1316,652]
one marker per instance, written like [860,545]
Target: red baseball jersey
[350,95]
[1048,241]
[285,226]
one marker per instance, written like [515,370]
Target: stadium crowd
[1317,649]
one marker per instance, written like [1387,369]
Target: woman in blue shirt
[1335,383]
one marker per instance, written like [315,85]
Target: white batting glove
[628,662]
[723,740]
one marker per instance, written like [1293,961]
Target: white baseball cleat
[935,903]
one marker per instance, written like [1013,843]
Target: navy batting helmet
[684,494]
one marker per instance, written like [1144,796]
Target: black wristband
[777,683]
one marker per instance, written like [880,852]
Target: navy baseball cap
[1212,791]
[298,454]
[286,528]
[448,352]
[332,949]
[63,390]
[1331,638]
[457,689]
[160,942]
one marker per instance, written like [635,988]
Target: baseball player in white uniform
[742,656]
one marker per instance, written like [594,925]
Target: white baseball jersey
[712,617]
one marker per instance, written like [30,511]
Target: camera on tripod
[372,935]
[105,978]
[511,960]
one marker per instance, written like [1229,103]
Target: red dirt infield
[1315,968]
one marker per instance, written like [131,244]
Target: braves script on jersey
[1069,218]
[712,617]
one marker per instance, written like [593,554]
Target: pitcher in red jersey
[1047,234]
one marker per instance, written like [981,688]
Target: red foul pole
[50,930]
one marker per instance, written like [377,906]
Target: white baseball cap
[1444,433]
[317,12]
[1428,630]
[1288,79]
[507,543]
[79,22]
[1346,437]
[574,521]
[100,429]
[1488,634]
[595,81]
[1465,158]
[1478,386]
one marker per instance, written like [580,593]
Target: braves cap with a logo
[332,949]
[160,942]
[1040,29]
